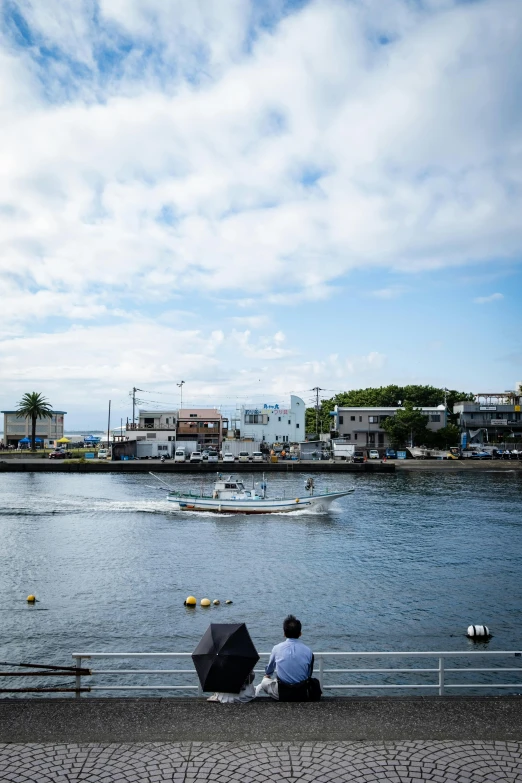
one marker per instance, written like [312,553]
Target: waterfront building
[206,426]
[491,418]
[47,430]
[196,427]
[362,426]
[274,422]
[153,425]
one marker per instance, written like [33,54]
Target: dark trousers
[293,691]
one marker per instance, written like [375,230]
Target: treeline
[387,397]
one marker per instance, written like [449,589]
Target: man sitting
[293,663]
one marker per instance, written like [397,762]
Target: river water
[405,563]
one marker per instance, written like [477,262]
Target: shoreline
[39,465]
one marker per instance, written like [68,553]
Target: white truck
[343,451]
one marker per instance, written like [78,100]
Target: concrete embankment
[36,465]
[453,465]
[177,720]
[144,466]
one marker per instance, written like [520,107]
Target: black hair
[292,627]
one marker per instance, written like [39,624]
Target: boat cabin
[230,489]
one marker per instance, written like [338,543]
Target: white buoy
[478,631]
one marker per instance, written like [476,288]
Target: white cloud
[392,292]
[89,181]
[227,158]
[490,298]
[250,321]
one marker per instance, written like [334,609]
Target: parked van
[358,456]
[257,456]
[373,454]
[104,454]
[180,456]
[244,456]
[196,456]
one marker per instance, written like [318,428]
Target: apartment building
[362,426]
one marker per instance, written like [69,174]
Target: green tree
[444,438]
[408,426]
[387,397]
[34,405]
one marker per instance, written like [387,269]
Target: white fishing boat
[418,452]
[231,497]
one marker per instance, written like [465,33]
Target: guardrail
[362,677]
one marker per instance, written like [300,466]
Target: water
[405,563]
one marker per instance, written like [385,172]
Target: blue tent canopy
[28,440]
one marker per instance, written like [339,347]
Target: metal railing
[441,673]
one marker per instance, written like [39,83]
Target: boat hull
[267,506]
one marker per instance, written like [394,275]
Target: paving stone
[320,762]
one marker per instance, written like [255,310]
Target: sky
[257,198]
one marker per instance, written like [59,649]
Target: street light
[180,385]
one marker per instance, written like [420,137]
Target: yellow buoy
[228,601]
[31,599]
[216,602]
[190,601]
[205,602]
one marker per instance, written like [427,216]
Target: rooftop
[53,411]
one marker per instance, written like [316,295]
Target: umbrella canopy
[224,657]
[63,440]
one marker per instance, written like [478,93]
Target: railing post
[321,671]
[441,676]
[78,677]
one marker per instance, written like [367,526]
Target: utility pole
[317,389]
[181,393]
[109,426]
[133,393]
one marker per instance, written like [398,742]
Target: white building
[274,423]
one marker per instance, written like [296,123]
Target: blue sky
[257,198]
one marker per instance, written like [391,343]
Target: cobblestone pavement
[324,762]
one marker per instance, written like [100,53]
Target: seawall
[145,466]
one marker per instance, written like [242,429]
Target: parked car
[228,457]
[258,456]
[212,456]
[244,456]
[358,456]
[195,456]
[58,454]
[373,454]
[180,455]
[391,454]
[103,454]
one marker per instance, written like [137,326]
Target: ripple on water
[406,562]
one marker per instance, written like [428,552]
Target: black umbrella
[224,657]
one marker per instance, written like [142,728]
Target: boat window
[230,486]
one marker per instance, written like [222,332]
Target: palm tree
[34,405]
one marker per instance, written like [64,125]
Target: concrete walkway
[226,762]
[439,739]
